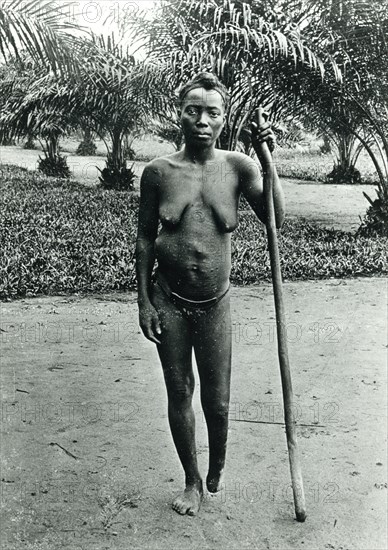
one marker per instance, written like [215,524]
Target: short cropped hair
[209,81]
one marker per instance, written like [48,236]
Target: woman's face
[202,116]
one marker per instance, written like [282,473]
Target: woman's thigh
[213,350]
[175,349]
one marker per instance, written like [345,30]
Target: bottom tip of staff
[301,516]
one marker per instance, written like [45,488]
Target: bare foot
[214,481]
[189,502]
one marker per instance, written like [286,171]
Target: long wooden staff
[288,398]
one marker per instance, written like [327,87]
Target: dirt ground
[88,460]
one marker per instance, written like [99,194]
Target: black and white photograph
[193,274]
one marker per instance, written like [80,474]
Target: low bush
[56,167]
[120,179]
[87,148]
[302,167]
[7,141]
[375,221]
[57,236]
[30,144]
[342,176]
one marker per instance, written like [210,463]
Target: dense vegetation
[58,236]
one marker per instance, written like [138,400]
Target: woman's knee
[180,393]
[215,408]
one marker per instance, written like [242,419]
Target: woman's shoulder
[239,160]
[159,163]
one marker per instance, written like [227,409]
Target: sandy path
[89,462]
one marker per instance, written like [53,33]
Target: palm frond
[113,92]
[40,28]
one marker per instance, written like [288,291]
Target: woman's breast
[199,217]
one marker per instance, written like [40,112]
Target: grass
[57,236]
[307,251]
[62,237]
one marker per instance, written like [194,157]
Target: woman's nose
[202,119]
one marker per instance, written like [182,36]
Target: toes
[189,506]
[179,507]
[192,510]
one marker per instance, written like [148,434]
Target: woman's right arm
[145,255]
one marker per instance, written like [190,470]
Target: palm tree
[246,44]
[358,107]
[110,97]
[26,111]
[115,93]
[169,131]
[37,37]
[42,30]
[284,55]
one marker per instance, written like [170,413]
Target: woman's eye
[191,111]
[213,115]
